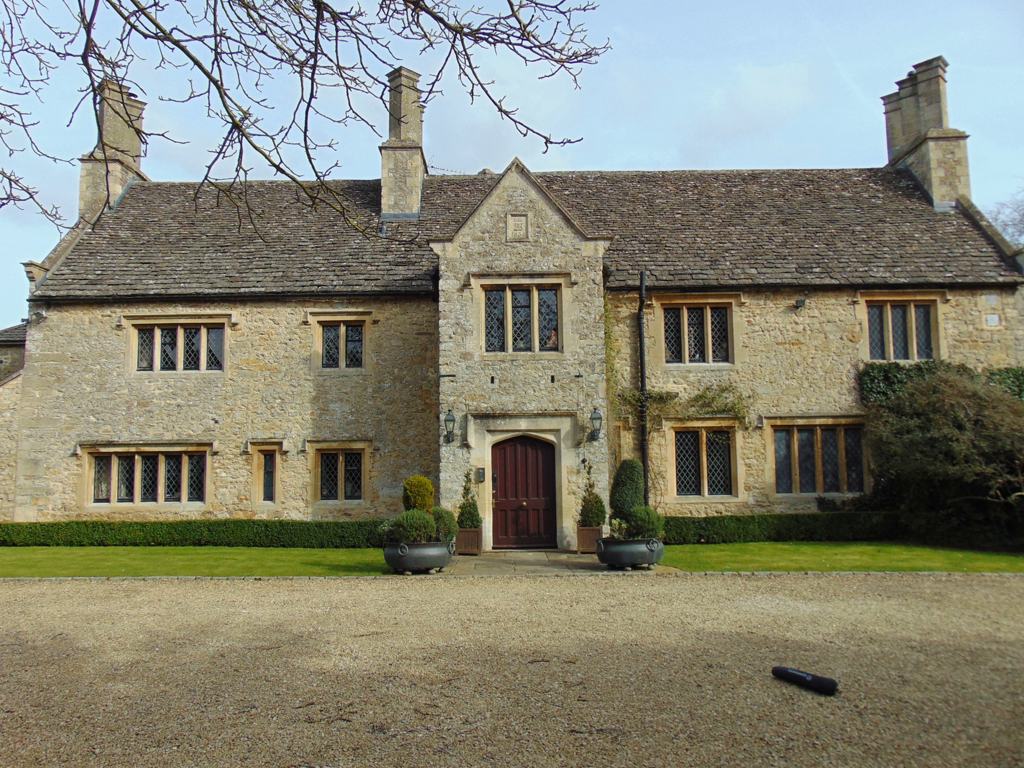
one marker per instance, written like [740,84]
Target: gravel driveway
[635,670]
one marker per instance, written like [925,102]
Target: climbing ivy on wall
[880,382]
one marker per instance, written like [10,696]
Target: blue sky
[686,85]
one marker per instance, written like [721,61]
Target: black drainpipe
[642,409]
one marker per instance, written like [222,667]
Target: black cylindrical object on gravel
[823,685]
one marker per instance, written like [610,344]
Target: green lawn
[836,556]
[188,561]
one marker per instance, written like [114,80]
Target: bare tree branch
[332,57]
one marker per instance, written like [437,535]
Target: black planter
[631,553]
[419,558]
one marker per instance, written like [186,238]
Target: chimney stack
[919,138]
[402,163]
[117,158]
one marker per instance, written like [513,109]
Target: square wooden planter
[469,541]
[586,539]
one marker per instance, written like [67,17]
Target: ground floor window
[139,477]
[340,475]
[704,459]
[817,459]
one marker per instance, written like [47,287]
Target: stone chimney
[117,158]
[919,137]
[402,164]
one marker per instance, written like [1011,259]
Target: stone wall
[793,363]
[85,389]
[496,395]
[9,396]
[12,359]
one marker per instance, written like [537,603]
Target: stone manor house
[182,360]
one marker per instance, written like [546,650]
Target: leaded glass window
[673,335]
[144,352]
[854,460]
[149,476]
[719,335]
[190,350]
[494,320]
[901,331]
[353,345]
[699,333]
[197,477]
[923,331]
[704,462]
[269,474]
[829,459]
[353,475]
[547,319]
[719,454]
[126,478]
[215,348]
[696,349]
[876,331]
[688,464]
[101,480]
[522,321]
[136,477]
[172,477]
[331,352]
[169,349]
[805,460]
[783,462]
[328,476]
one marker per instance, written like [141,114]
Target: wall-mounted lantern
[449,426]
[596,420]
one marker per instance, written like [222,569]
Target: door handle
[524,503]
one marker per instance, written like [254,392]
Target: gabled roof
[688,229]
[14,336]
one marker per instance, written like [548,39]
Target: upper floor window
[698,333]
[143,477]
[817,459]
[184,347]
[341,344]
[705,459]
[522,318]
[901,330]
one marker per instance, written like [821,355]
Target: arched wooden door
[523,493]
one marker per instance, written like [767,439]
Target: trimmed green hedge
[817,526]
[194,533]
[880,382]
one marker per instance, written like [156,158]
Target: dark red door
[523,487]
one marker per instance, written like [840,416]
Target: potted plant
[635,541]
[590,526]
[418,541]
[470,537]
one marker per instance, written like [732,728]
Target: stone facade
[546,394]
[9,396]
[86,392]
[794,364]
[12,360]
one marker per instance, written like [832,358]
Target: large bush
[627,488]
[949,448]
[641,522]
[414,526]
[469,513]
[418,493]
[592,511]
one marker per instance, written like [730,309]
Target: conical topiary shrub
[627,488]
